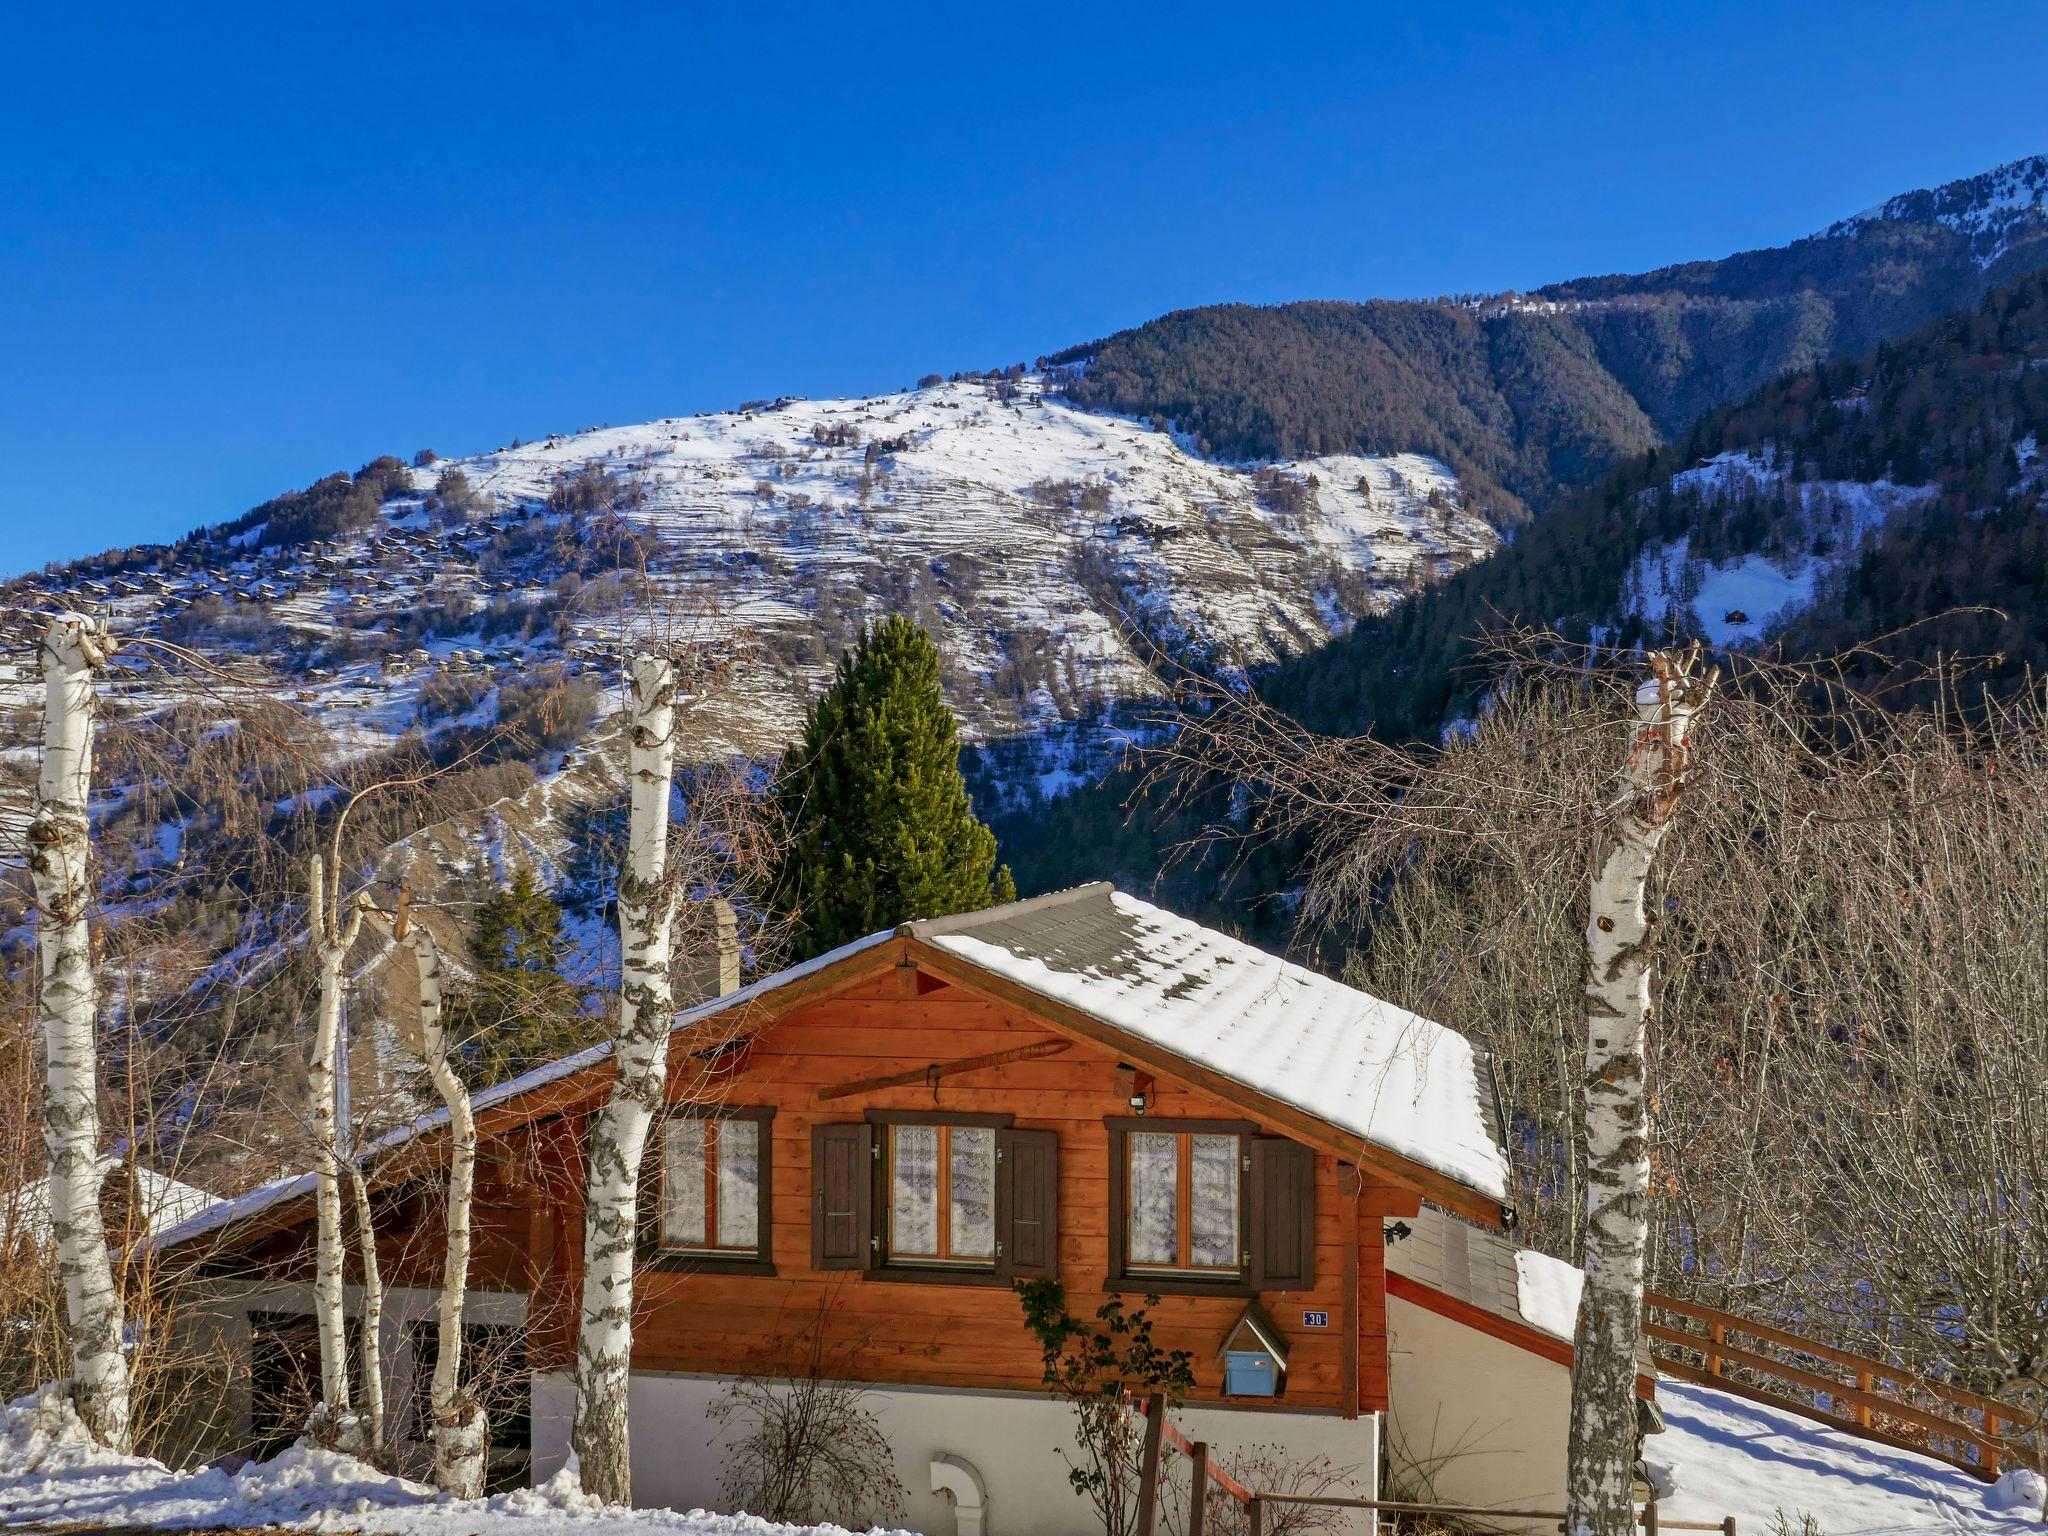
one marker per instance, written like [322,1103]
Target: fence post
[1865,1382]
[1198,1506]
[1650,1516]
[1257,1512]
[1728,1526]
[1148,1468]
[1719,1334]
[1992,1423]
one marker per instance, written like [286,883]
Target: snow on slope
[1988,210]
[1023,529]
[1743,597]
[1730,1456]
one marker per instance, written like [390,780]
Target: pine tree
[520,1011]
[881,828]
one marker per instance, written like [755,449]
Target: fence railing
[1648,1518]
[1836,1387]
[1159,1431]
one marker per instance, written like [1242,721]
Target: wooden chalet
[864,1153]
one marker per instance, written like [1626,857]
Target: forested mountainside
[466,615]
[1528,395]
[1838,503]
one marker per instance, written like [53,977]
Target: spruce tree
[520,1011]
[881,828]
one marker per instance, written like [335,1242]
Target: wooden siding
[936,1332]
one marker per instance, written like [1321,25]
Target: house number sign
[1315,1319]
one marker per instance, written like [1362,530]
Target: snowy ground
[1734,1457]
[51,1474]
[1730,1456]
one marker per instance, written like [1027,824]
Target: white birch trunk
[67,1005]
[618,1134]
[1620,937]
[373,1313]
[333,1418]
[461,1435]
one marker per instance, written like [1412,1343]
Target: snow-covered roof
[1342,1056]
[1349,1059]
[160,1201]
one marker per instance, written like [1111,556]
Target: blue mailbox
[1254,1356]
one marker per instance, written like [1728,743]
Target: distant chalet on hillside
[882,1141]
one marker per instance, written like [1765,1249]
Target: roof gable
[1382,1085]
[1358,1064]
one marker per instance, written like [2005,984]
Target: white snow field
[1729,1456]
[1747,597]
[52,1473]
[1725,1456]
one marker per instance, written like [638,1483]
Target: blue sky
[240,247]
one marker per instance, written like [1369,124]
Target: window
[942,1194]
[493,1366]
[1209,1205]
[712,1198]
[912,1196]
[284,1375]
[1182,1202]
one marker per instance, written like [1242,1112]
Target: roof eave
[1443,1189]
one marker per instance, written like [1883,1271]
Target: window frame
[1123,1277]
[921,1270]
[658,1255]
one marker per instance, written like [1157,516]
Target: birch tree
[1620,947]
[74,649]
[618,1133]
[332,935]
[461,1434]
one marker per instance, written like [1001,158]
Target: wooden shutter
[1028,1203]
[842,1196]
[1283,1215]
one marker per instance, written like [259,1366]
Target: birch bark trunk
[333,1418]
[1620,942]
[618,1135]
[373,1310]
[461,1433]
[60,847]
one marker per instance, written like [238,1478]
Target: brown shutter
[1028,1203]
[842,1196]
[1283,1215]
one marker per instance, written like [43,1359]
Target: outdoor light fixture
[1135,1086]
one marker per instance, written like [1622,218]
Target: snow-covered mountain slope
[1989,210]
[1028,534]
[1038,541]
[1744,595]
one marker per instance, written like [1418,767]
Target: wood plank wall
[935,1333]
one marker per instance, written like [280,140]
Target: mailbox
[1254,1356]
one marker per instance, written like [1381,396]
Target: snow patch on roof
[1351,1060]
[1547,1290]
[160,1201]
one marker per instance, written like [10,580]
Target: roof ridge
[924,927]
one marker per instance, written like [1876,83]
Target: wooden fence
[1837,1387]
[1159,1432]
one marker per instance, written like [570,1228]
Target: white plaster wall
[1475,1420]
[1013,1439]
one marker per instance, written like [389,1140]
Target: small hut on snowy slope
[878,1143]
